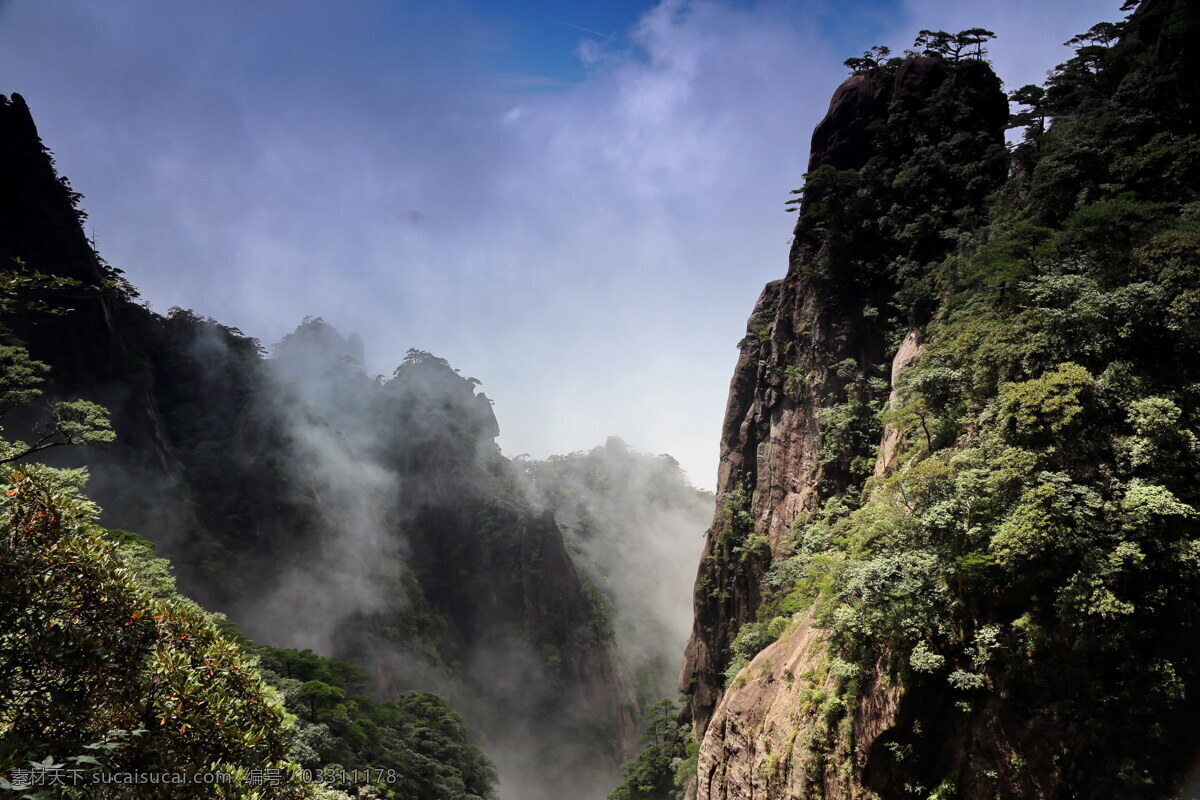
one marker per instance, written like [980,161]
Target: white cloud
[591,253]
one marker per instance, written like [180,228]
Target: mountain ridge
[318,506]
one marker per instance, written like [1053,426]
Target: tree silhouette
[954,46]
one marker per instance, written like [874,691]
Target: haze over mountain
[348,516]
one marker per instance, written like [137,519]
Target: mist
[549,600]
[636,526]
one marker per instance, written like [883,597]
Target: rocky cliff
[815,339]
[869,622]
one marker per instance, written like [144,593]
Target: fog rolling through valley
[436,563]
[635,525]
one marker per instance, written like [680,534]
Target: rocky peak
[40,208]
[876,122]
[903,169]
[877,133]
[41,229]
[843,139]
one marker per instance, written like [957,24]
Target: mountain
[954,551]
[369,519]
[634,524]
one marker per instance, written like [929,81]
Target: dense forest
[953,552]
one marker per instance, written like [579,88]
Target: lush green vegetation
[103,674]
[416,743]
[1039,545]
[107,669]
[70,423]
[413,746]
[667,763]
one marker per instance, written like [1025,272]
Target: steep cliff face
[42,232]
[914,582]
[42,229]
[816,341]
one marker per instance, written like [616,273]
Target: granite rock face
[755,734]
[799,329]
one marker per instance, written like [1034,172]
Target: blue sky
[580,220]
[542,37]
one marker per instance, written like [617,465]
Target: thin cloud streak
[608,36]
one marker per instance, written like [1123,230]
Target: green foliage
[795,378]
[667,765]
[24,290]
[1123,107]
[954,46]
[90,660]
[685,764]
[1046,406]
[870,62]
[847,432]
[932,400]
[736,530]
[20,377]
[1034,116]
[154,574]
[72,422]
[752,638]
[1104,233]
[79,422]
[866,229]
[1037,545]
[925,659]
[415,742]
[319,697]
[1006,260]
[1041,518]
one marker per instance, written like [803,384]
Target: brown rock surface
[755,738]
